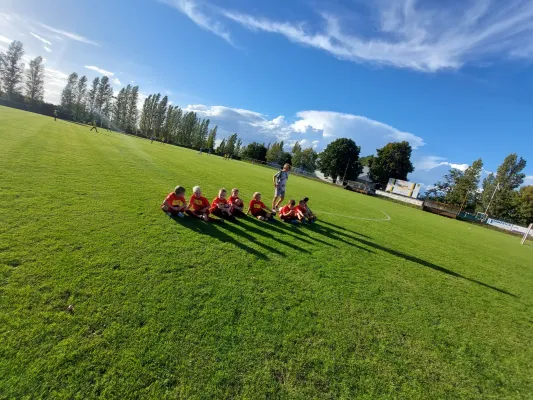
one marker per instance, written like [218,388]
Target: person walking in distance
[280,184]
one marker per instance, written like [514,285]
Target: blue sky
[454,78]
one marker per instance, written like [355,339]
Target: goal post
[528,232]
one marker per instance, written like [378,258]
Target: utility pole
[346,170]
[492,197]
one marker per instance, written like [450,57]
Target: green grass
[416,307]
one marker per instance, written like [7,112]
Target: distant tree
[67,96]
[211,138]
[79,98]
[305,159]
[187,129]
[441,190]
[525,205]
[35,80]
[238,147]
[509,177]
[367,161]
[132,113]
[339,158]
[91,96]
[221,149]
[276,154]
[392,161]
[104,97]
[201,133]
[229,147]
[12,69]
[159,117]
[297,148]
[254,151]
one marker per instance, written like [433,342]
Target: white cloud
[116,81]
[192,10]
[99,70]
[310,128]
[3,39]
[70,35]
[528,180]
[48,49]
[414,34]
[41,39]
[427,163]
[54,82]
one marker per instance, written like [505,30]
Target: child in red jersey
[175,203]
[288,213]
[221,207]
[258,209]
[198,205]
[311,217]
[237,204]
[300,211]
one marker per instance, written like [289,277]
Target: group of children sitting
[198,206]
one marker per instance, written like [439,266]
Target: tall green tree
[132,112]
[230,145]
[35,80]
[367,161]
[221,149]
[104,97]
[67,95]
[211,138]
[392,161]
[79,98]
[296,148]
[305,159]
[254,151]
[91,96]
[525,205]
[12,69]
[339,158]
[187,128]
[509,177]
[442,190]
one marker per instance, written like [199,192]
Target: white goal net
[528,233]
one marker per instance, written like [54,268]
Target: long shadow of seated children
[217,232]
[262,233]
[284,228]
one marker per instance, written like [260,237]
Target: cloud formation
[41,39]
[192,10]
[427,163]
[3,39]
[48,49]
[70,35]
[100,70]
[422,35]
[310,128]
[116,81]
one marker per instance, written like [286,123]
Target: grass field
[418,306]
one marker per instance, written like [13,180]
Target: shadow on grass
[421,262]
[344,229]
[233,228]
[284,228]
[216,231]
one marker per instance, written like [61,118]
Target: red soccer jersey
[175,201]
[286,211]
[232,199]
[256,206]
[197,203]
[301,209]
[216,202]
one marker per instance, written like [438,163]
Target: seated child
[258,209]
[175,203]
[309,214]
[300,210]
[237,204]
[220,206]
[198,205]
[287,213]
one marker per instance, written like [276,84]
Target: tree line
[501,194]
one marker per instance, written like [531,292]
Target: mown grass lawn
[418,306]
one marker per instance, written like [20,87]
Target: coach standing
[280,183]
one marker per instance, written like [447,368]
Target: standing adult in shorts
[280,183]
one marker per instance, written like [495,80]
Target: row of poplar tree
[18,83]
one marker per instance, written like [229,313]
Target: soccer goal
[528,233]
